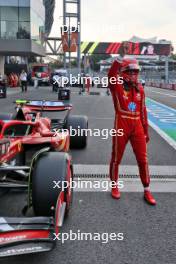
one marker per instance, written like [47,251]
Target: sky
[117,20]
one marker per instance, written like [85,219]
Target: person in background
[3,78]
[23,81]
[148,50]
[36,81]
[29,77]
[57,81]
[87,83]
[3,86]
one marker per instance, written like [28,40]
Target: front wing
[20,236]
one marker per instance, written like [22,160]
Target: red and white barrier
[162,85]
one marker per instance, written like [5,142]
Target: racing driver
[131,116]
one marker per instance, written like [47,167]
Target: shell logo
[19,146]
[62,144]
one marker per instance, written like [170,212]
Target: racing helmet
[130,71]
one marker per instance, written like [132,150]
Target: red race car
[20,134]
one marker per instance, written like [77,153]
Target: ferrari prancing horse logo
[125,95]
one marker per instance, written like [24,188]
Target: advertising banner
[126,48]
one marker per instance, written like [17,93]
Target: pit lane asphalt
[99,110]
[149,233]
[167,97]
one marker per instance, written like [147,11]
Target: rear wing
[42,105]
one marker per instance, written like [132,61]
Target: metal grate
[124,176]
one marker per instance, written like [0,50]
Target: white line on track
[168,139]
[170,95]
[163,105]
[129,185]
[99,169]
[88,179]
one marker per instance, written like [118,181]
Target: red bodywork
[23,235]
[29,132]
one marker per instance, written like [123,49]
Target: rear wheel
[78,135]
[51,167]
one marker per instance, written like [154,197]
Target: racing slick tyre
[4,116]
[79,125]
[50,167]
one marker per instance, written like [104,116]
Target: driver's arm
[113,72]
[144,118]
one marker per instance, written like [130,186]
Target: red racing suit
[133,123]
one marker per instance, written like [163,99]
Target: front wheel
[50,168]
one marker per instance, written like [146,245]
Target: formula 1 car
[24,235]
[28,132]
[25,131]
[32,128]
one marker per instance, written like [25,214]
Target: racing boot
[115,193]
[148,197]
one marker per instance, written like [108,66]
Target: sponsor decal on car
[11,238]
[20,251]
[19,146]
[125,95]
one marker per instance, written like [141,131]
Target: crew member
[23,80]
